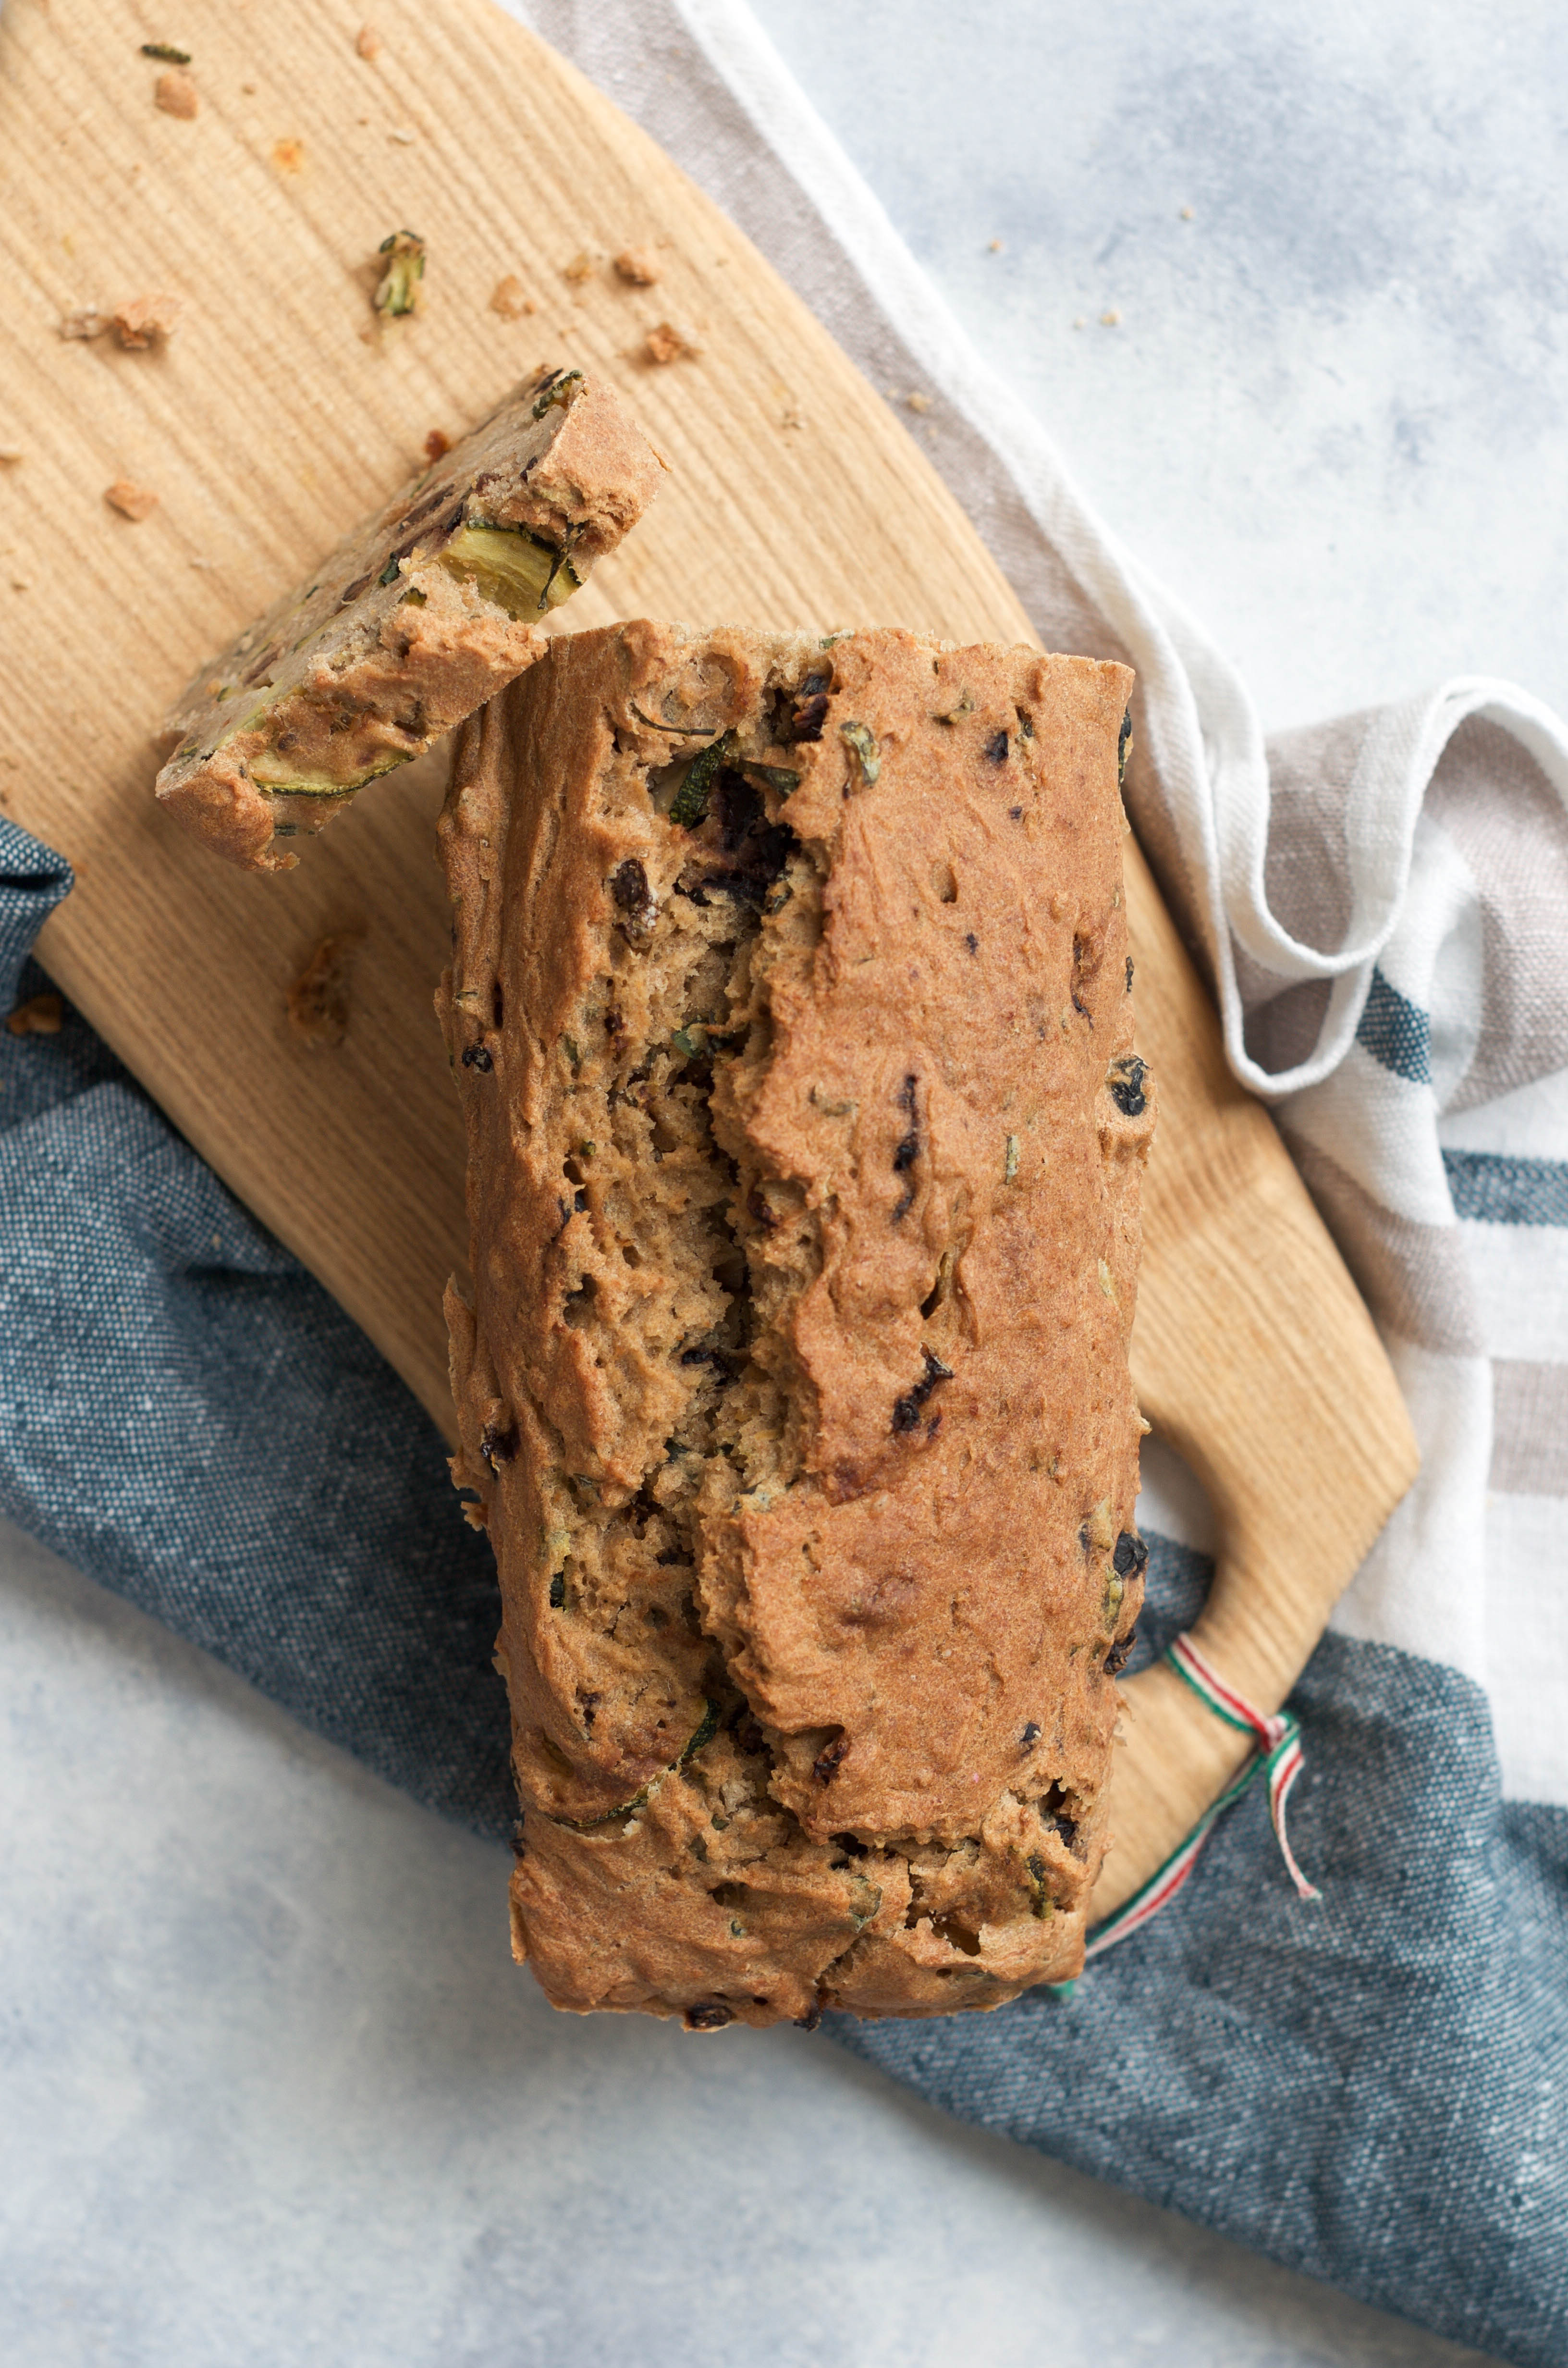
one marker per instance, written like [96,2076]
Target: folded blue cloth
[185,1414]
[1371,2088]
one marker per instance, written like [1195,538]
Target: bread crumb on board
[318,1000]
[508,298]
[637,265]
[132,501]
[175,94]
[438,444]
[666,343]
[287,155]
[137,321]
[581,268]
[368,43]
[42,1015]
[143,320]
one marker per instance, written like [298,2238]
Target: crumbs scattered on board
[138,321]
[508,298]
[666,343]
[318,1000]
[134,502]
[143,320]
[175,94]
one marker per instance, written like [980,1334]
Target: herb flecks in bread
[417,618]
[790,1018]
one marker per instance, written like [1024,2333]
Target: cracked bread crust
[790,1015]
[418,618]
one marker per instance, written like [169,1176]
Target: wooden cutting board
[278,415]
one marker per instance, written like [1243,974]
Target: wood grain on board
[279,414]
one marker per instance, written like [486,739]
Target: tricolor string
[1279,1753]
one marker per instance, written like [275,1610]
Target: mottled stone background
[1330,415]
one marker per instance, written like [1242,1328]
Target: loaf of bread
[791,1014]
[416,618]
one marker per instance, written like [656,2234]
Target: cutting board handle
[1302,1475]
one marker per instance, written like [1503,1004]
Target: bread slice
[791,1014]
[419,616]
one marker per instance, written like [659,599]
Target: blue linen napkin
[187,1414]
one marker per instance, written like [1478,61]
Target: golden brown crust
[396,638]
[805,1143]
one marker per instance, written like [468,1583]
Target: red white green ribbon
[1279,1753]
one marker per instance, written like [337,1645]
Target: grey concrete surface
[1331,412]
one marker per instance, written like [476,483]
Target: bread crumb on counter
[665,343]
[368,43]
[508,298]
[637,265]
[143,320]
[318,1000]
[134,502]
[175,94]
[137,321]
